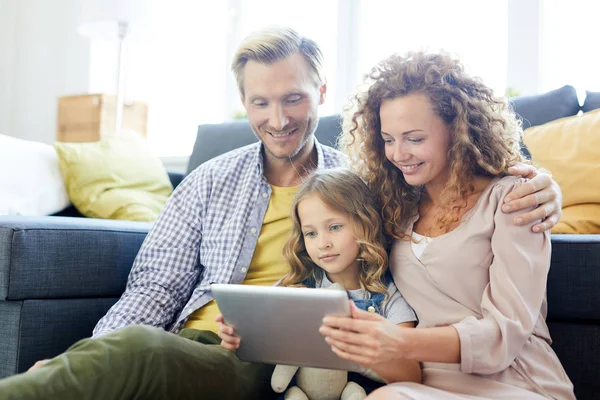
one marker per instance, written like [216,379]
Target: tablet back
[280,325]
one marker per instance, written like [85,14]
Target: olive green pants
[141,362]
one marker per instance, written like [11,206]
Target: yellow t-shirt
[268,264]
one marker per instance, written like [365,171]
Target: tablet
[280,325]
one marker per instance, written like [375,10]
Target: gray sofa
[60,274]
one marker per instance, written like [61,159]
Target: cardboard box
[89,117]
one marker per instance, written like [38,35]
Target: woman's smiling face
[416,139]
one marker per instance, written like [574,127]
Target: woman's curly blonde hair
[485,133]
[343,191]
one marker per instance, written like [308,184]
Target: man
[226,223]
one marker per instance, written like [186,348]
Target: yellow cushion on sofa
[580,218]
[570,149]
[116,178]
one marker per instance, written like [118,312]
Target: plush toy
[317,383]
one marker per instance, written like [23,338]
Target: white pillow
[30,178]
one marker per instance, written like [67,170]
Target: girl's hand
[227,334]
[365,338]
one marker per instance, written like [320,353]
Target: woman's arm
[510,305]
[399,370]
[365,342]
[381,336]
[513,299]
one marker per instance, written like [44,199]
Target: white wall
[43,58]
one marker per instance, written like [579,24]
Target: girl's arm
[227,334]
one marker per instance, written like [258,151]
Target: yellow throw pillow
[580,218]
[115,178]
[570,149]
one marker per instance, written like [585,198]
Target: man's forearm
[135,307]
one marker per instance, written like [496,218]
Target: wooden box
[90,117]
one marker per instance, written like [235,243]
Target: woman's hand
[227,334]
[365,338]
[541,192]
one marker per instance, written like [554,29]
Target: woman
[436,146]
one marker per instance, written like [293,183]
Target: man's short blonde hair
[270,45]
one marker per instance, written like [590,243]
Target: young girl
[337,238]
[436,145]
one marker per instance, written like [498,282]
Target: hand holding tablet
[280,325]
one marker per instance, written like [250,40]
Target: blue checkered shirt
[206,234]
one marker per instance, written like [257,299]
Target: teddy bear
[315,384]
[318,383]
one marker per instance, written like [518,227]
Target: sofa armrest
[61,257]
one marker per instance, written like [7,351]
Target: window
[569,48]
[179,69]
[474,30]
[182,70]
[316,19]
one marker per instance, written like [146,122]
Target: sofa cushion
[61,257]
[116,178]
[570,149]
[10,322]
[45,328]
[215,139]
[30,179]
[579,218]
[591,102]
[539,109]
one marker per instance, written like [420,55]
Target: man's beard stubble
[293,157]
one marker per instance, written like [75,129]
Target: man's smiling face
[281,100]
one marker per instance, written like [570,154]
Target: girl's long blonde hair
[485,133]
[344,191]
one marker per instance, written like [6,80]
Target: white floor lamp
[113,20]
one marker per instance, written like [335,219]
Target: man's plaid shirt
[206,234]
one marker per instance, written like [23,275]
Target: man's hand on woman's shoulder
[541,192]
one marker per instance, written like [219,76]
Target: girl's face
[416,140]
[330,241]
